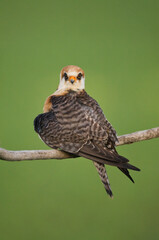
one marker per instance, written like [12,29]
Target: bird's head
[72,78]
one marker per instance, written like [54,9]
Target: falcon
[74,122]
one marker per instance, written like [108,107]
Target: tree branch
[56,154]
[138,136]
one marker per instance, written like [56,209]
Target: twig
[56,154]
[138,136]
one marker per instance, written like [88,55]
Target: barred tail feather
[103,176]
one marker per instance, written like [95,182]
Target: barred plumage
[75,123]
[104,178]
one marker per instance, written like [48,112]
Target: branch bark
[56,154]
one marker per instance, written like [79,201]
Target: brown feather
[104,177]
[47,105]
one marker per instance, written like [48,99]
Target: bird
[72,121]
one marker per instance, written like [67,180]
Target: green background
[117,45]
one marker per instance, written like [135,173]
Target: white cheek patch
[82,83]
[62,84]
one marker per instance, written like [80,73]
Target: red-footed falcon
[74,122]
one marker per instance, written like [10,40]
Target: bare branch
[138,136]
[56,154]
[33,155]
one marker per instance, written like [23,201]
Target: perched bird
[74,122]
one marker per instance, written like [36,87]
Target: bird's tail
[120,161]
[126,172]
[104,177]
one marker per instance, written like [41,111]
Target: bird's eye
[65,76]
[79,76]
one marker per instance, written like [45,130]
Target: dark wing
[95,115]
[100,146]
[101,154]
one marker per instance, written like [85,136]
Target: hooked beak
[72,79]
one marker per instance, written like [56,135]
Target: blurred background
[117,45]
